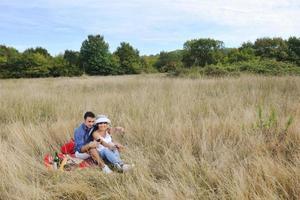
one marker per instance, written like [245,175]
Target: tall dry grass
[226,138]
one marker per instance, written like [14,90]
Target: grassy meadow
[207,138]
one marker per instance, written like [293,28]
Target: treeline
[274,56]
[199,56]
[93,58]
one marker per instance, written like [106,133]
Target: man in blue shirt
[85,144]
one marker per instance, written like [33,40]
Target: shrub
[268,67]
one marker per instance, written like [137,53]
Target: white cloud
[160,23]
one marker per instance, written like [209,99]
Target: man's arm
[79,139]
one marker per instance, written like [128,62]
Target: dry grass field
[225,138]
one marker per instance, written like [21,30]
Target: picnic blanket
[67,158]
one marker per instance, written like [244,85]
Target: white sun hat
[101,119]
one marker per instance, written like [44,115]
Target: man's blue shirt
[81,136]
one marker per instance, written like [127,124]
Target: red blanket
[67,158]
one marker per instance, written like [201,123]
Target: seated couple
[93,139]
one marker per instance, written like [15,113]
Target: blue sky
[150,26]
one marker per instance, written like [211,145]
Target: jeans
[111,156]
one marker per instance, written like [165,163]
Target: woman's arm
[110,145]
[101,141]
[118,129]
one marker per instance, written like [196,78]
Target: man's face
[89,121]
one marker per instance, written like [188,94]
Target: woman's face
[102,126]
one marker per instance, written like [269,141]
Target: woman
[108,150]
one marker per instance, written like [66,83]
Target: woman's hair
[95,127]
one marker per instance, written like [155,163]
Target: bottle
[56,161]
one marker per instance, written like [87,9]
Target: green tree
[62,67]
[151,59]
[73,63]
[95,58]
[294,50]
[8,55]
[59,66]
[9,58]
[34,64]
[168,61]
[201,52]
[148,63]
[39,50]
[239,55]
[273,48]
[72,57]
[247,45]
[129,58]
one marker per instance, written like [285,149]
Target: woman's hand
[118,129]
[119,146]
[111,146]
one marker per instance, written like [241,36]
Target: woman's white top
[107,138]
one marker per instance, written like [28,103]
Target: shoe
[127,167]
[118,167]
[106,169]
